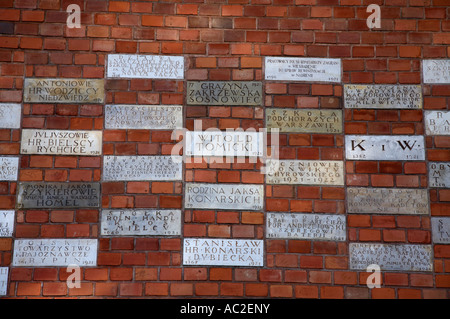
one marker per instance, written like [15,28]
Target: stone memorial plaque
[221,143]
[142,168]
[133,222]
[439,174]
[6,223]
[58,195]
[380,96]
[436,71]
[391,257]
[440,228]
[60,90]
[437,122]
[3,281]
[224,196]
[223,252]
[57,142]
[145,66]
[303,69]
[144,117]
[9,168]
[397,201]
[54,252]
[306,226]
[10,114]
[304,120]
[305,172]
[224,93]
[385,147]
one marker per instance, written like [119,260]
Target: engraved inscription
[437,122]
[439,174]
[9,167]
[3,281]
[10,115]
[6,223]
[224,93]
[436,71]
[440,228]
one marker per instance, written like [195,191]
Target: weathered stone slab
[391,257]
[409,201]
[10,114]
[437,122]
[440,229]
[383,96]
[304,120]
[55,252]
[3,281]
[145,66]
[306,226]
[303,69]
[6,223]
[61,142]
[436,71]
[223,252]
[439,174]
[58,195]
[305,172]
[60,90]
[385,147]
[9,167]
[133,222]
[140,117]
[224,196]
[224,93]
[142,168]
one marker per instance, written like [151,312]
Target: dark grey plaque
[224,93]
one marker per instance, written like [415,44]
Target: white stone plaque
[436,71]
[385,147]
[437,122]
[303,69]
[54,252]
[9,167]
[223,252]
[142,168]
[305,172]
[6,223]
[306,226]
[224,196]
[133,222]
[391,257]
[61,142]
[145,66]
[439,174]
[440,228]
[3,281]
[10,114]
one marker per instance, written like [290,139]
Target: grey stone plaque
[224,196]
[140,117]
[145,66]
[304,120]
[440,228]
[142,168]
[303,69]
[306,226]
[383,96]
[439,174]
[401,201]
[10,114]
[6,223]
[436,71]
[224,93]
[61,142]
[3,281]
[437,122]
[54,252]
[9,167]
[132,222]
[223,252]
[60,90]
[385,147]
[304,172]
[391,257]
[58,195]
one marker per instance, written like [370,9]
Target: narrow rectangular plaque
[145,66]
[60,90]
[3,281]
[306,226]
[61,142]
[410,201]
[439,174]
[304,172]
[380,96]
[224,196]
[437,122]
[142,168]
[391,257]
[58,195]
[6,223]
[224,93]
[304,120]
[385,147]
[10,114]
[436,71]
[223,252]
[9,167]
[54,252]
[440,228]
[303,69]
[133,222]
[140,117]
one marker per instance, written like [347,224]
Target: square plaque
[436,71]
[440,229]
[439,174]
[10,114]
[437,122]
[9,168]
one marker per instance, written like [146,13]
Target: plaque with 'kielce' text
[224,93]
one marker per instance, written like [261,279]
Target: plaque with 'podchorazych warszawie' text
[10,114]
[224,93]
[439,174]
[437,122]
[6,223]
[436,71]
[9,168]
[440,230]
[3,281]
